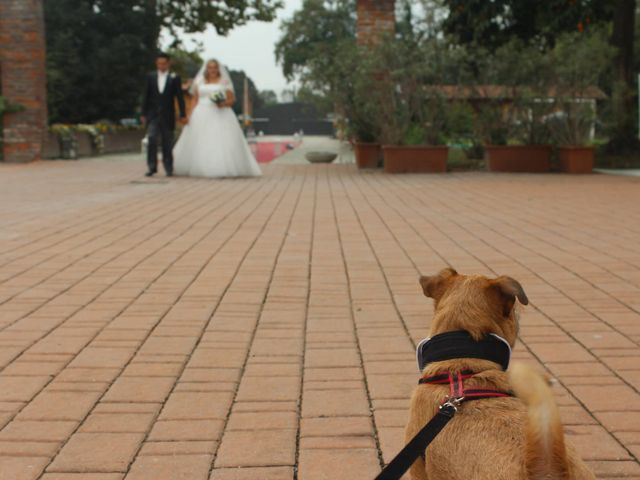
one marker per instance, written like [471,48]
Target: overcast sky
[250,48]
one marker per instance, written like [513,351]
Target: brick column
[375,17]
[23,77]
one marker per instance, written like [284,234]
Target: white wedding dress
[212,144]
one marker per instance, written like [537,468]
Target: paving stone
[140,389]
[83,476]
[22,468]
[268,447]
[217,314]
[188,430]
[38,431]
[170,467]
[178,448]
[117,423]
[97,452]
[321,464]
[251,473]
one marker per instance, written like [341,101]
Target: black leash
[418,444]
[416,447]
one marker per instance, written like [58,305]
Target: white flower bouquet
[218,97]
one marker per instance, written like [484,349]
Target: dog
[505,438]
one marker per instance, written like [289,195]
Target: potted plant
[68,142]
[6,107]
[366,149]
[355,73]
[95,145]
[517,139]
[413,121]
[579,61]
[511,98]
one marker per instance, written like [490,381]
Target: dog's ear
[508,290]
[434,286]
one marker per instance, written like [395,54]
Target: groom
[158,110]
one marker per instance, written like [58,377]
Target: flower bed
[73,141]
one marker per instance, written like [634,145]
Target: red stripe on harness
[457,392]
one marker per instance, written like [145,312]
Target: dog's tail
[546,454]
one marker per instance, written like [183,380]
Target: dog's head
[477,304]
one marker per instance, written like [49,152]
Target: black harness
[448,346]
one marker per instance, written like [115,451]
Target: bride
[212,143]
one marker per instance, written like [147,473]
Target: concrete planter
[123,141]
[576,159]
[320,157]
[367,154]
[415,159]
[85,145]
[518,158]
[51,146]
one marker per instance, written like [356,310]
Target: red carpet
[267,151]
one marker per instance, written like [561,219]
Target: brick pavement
[264,329]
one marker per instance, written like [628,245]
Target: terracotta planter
[367,154]
[576,159]
[518,158]
[415,159]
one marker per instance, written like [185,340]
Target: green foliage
[313,37]
[97,55]
[510,91]
[268,97]
[184,62]
[318,47]
[579,63]
[98,51]
[8,107]
[406,84]
[497,22]
[194,16]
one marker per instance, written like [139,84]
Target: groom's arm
[180,96]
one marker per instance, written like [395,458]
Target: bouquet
[218,97]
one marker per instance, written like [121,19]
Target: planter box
[576,159]
[367,154]
[518,158]
[84,145]
[51,146]
[123,142]
[415,159]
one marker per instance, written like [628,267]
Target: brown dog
[506,438]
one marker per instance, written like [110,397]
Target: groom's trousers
[158,130]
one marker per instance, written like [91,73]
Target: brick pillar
[23,78]
[374,18]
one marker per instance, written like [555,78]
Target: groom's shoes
[149,174]
[169,174]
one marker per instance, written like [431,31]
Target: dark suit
[159,108]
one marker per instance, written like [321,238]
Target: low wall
[114,142]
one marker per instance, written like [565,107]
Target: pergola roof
[504,92]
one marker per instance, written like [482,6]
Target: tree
[185,63]
[312,37]
[624,106]
[196,15]
[96,59]
[268,97]
[99,50]
[494,23]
